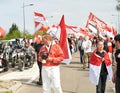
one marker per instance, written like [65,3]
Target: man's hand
[49,59]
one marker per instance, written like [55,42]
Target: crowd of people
[97,54]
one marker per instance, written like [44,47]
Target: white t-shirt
[86,44]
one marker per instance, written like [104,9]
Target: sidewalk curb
[11,89]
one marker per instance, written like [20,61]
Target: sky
[75,12]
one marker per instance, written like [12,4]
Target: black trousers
[117,85]
[40,70]
[100,88]
[81,55]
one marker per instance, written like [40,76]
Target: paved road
[73,79]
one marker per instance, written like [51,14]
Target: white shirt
[85,44]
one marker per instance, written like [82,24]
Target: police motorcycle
[28,58]
[3,61]
[8,50]
[18,57]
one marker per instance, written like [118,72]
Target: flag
[37,39]
[40,21]
[72,30]
[95,67]
[98,26]
[64,42]
[114,31]
[52,30]
[95,23]
[2,32]
[83,32]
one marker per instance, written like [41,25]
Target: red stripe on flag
[63,38]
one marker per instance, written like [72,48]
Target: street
[74,79]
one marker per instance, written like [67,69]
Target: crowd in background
[79,44]
[84,44]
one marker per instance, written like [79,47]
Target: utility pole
[24,17]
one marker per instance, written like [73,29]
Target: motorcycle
[18,59]
[28,59]
[3,63]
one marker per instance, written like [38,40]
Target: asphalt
[74,79]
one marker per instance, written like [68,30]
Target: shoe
[39,83]
[84,67]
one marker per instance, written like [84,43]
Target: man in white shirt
[86,45]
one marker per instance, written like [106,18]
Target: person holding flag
[100,67]
[51,55]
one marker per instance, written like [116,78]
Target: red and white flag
[40,21]
[52,30]
[114,31]
[95,67]
[72,30]
[95,23]
[64,41]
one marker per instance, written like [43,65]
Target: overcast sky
[75,11]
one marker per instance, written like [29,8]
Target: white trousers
[51,79]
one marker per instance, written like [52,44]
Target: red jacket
[55,52]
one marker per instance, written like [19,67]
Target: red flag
[96,22]
[71,29]
[95,66]
[63,37]
[114,31]
[40,21]
[2,32]
[89,18]
[64,40]
[37,39]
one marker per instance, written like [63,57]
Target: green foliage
[42,32]
[14,32]
[13,28]
[28,35]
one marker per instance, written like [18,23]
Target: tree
[13,28]
[14,32]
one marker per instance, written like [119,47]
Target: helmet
[10,43]
[1,42]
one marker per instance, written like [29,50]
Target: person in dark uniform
[4,63]
[37,48]
[116,74]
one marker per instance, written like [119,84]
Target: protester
[100,67]
[51,56]
[80,41]
[116,74]
[38,45]
[87,47]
